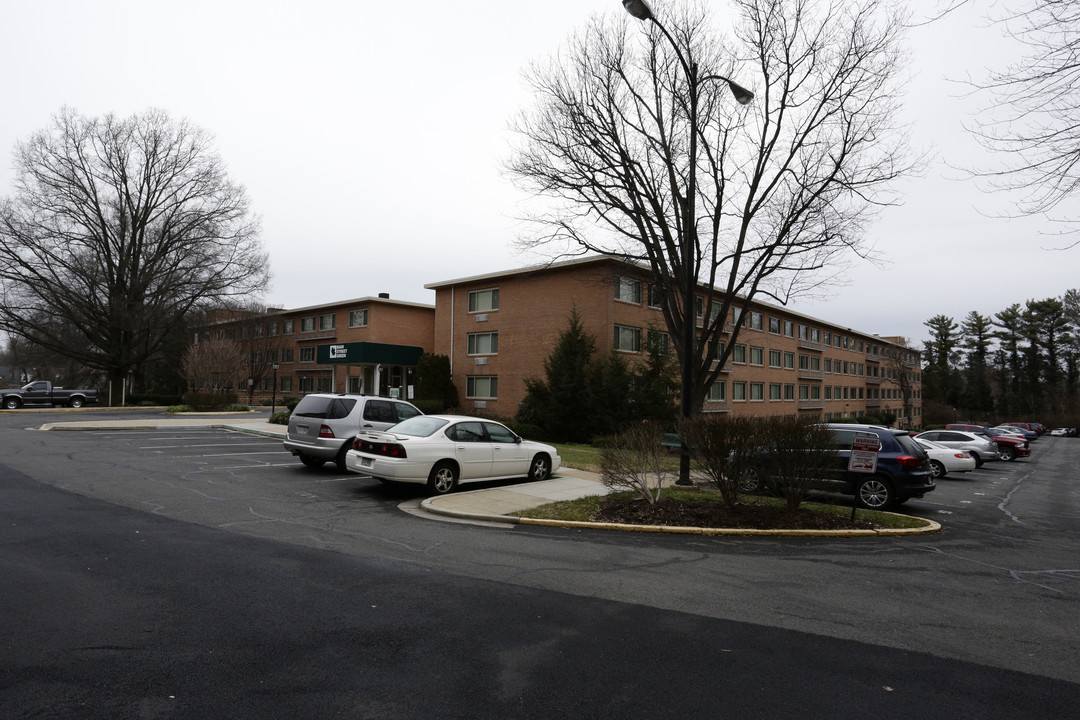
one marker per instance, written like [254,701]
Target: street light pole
[640,9]
[273,393]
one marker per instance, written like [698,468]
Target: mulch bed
[707,514]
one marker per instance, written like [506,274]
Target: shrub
[290,402]
[526,430]
[179,409]
[634,460]
[726,449]
[281,417]
[236,407]
[204,401]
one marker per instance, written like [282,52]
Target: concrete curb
[931,526]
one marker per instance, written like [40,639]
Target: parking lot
[998,585]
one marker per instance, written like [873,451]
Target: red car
[1009,447]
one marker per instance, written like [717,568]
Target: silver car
[980,447]
[322,426]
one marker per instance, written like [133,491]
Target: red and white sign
[864,452]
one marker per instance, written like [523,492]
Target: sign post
[864,456]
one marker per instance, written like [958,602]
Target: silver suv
[322,426]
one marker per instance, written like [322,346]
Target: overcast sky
[369,136]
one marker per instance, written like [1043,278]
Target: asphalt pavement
[496,505]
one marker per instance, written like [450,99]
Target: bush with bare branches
[725,449]
[634,460]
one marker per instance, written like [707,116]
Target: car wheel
[875,493]
[540,468]
[11,403]
[978,460]
[1007,453]
[76,402]
[443,478]
[311,462]
[339,460]
[937,469]
[751,482]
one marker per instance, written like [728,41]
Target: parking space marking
[228,444]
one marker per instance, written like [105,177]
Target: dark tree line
[1022,363]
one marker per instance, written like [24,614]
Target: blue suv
[903,469]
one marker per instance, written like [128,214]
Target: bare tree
[785,185]
[214,365]
[634,460]
[118,228]
[1037,129]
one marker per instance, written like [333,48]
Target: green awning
[368,353]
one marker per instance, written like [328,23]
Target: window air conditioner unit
[481,318]
[481,361]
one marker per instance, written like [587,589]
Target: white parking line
[232,444]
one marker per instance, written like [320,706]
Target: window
[789,392]
[307,354]
[757,356]
[655,296]
[757,321]
[326,322]
[828,365]
[815,363]
[482,387]
[484,300]
[815,335]
[789,360]
[757,391]
[738,391]
[789,328]
[828,338]
[828,392]
[738,354]
[307,384]
[774,358]
[323,385]
[627,339]
[286,355]
[775,391]
[287,327]
[286,384]
[659,342]
[358,318]
[774,325]
[718,391]
[483,343]
[307,324]
[804,392]
[627,289]
[804,332]
[804,362]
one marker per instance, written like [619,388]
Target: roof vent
[384,296]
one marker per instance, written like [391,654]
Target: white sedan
[944,460]
[444,450]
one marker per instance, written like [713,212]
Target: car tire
[76,402]
[339,459]
[875,493]
[937,469]
[540,468]
[1007,453]
[12,403]
[443,478]
[978,460]
[311,462]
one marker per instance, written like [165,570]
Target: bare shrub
[800,455]
[726,451]
[634,460]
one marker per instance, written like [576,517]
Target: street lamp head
[638,8]
[742,95]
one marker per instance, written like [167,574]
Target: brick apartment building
[497,329]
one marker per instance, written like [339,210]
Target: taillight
[395,451]
[909,461]
[962,456]
[326,432]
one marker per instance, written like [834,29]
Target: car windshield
[910,446]
[319,406]
[419,426]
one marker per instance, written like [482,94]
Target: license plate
[365,462]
